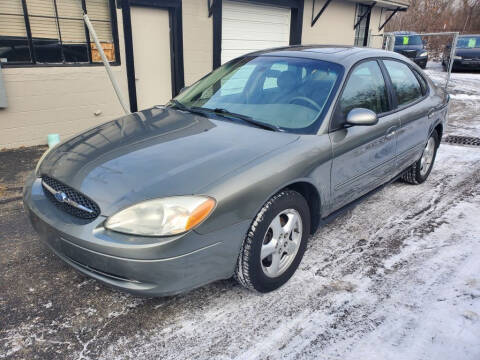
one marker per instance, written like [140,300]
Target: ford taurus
[232,176]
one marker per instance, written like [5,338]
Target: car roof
[341,54]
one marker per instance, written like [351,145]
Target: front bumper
[146,266]
[466,65]
[421,61]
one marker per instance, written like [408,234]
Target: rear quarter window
[423,82]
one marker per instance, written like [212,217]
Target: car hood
[155,153]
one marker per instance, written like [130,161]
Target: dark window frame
[29,38]
[175,19]
[390,99]
[366,17]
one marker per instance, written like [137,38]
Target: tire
[417,174]
[258,274]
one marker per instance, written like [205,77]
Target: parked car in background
[409,44]
[232,176]
[467,53]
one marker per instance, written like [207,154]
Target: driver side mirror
[183,89]
[362,117]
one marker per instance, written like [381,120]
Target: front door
[363,156]
[151,49]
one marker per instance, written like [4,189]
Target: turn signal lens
[200,213]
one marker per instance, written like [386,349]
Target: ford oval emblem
[61,196]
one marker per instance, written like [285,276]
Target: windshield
[408,40]
[468,42]
[291,94]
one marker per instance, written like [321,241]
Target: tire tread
[411,175]
[242,270]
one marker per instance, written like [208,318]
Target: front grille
[408,53]
[76,204]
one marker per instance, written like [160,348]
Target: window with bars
[53,31]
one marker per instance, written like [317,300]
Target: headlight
[162,217]
[456,57]
[423,54]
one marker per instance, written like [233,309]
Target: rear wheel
[275,243]
[419,171]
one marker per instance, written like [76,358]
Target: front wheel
[275,243]
[419,171]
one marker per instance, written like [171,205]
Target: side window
[365,88]
[404,82]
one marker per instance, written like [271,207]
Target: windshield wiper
[227,114]
[178,105]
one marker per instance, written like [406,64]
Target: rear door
[363,156]
[412,111]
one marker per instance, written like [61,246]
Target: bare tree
[438,16]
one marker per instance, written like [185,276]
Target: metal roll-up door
[249,27]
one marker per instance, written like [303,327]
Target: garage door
[250,27]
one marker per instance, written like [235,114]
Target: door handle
[391,133]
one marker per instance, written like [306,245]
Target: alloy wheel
[427,156]
[281,242]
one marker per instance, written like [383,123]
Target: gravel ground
[395,277]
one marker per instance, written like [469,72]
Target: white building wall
[335,26]
[197,40]
[376,20]
[67,100]
[63,100]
